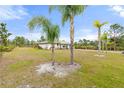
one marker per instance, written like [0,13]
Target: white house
[58,45]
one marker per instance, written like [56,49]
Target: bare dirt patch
[58,70]
[101,55]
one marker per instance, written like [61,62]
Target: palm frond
[51,31]
[38,21]
[97,24]
[51,7]
[68,10]
[104,23]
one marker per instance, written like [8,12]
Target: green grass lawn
[18,68]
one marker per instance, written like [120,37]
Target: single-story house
[58,45]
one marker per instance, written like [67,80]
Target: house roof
[59,42]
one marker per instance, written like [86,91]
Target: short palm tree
[104,38]
[98,25]
[68,13]
[51,31]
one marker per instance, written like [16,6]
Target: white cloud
[118,10]
[67,39]
[12,12]
[90,37]
[82,34]
[32,36]
[29,36]
[86,34]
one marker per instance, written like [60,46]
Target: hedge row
[86,47]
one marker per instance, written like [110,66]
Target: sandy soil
[58,70]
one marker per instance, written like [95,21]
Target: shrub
[37,46]
[85,47]
[6,48]
[120,48]
[92,47]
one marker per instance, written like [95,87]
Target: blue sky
[17,18]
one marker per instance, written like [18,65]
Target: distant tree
[33,43]
[98,25]
[121,42]
[3,38]
[86,42]
[93,43]
[116,31]
[4,34]
[110,43]
[19,41]
[27,42]
[76,45]
[80,42]
[51,31]
[42,38]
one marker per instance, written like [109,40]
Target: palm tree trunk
[1,51]
[99,40]
[0,57]
[71,39]
[110,47]
[1,54]
[106,46]
[114,42]
[53,55]
[102,45]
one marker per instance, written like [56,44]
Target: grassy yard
[18,68]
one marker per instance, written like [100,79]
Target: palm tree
[68,13]
[104,39]
[51,31]
[98,25]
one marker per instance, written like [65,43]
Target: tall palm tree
[51,31]
[68,13]
[98,25]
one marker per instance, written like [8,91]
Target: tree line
[110,39]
